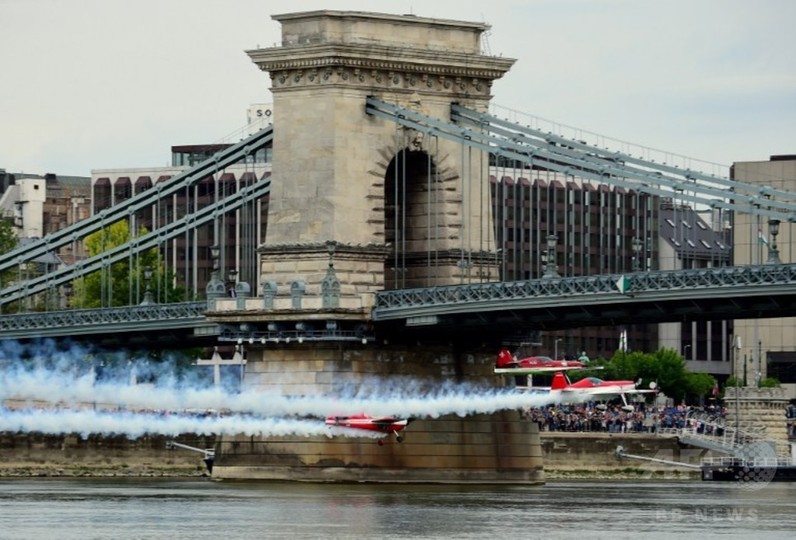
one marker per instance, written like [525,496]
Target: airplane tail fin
[559,381]
[504,358]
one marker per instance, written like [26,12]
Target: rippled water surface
[198,509]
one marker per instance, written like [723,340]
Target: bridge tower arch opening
[414,218]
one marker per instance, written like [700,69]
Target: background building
[767,346]
[39,205]
[239,235]
[690,238]
[550,224]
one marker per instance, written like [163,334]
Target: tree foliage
[732,380]
[665,367]
[770,382]
[699,384]
[8,241]
[122,283]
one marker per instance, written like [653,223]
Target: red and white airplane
[509,364]
[381,424]
[591,388]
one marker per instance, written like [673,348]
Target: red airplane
[592,388]
[380,424]
[533,365]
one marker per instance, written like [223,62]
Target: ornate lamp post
[233,278]
[550,270]
[148,299]
[68,295]
[637,254]
[215,255]
[773,252]
[464,265]
[215,287]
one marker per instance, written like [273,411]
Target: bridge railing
[104,320]
[763,280]
[555,288]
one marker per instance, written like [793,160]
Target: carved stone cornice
[336,248]
[381,67]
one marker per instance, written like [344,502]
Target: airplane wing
[596,391]
[383,422]
[534,370]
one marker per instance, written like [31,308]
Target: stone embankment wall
[760,410]
[72,455]
[594,454]
[564,455]
[498,448]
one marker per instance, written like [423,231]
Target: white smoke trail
[134,425]
[50,377]
[372,397]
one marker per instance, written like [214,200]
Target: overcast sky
[94,84]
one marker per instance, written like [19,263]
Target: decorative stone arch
[297,289]
[269,293]
[330,289]
[418,206]
[214,290]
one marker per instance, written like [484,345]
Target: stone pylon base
[501,448]
[759,408]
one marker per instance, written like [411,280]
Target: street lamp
[685,351]
[637,254]
[550,270]
[239,356]
[556,348]
[773,252]
[464,265]
[736,348]
[68,295]
[233,278]
[215,288]
[148,299]
[215,255]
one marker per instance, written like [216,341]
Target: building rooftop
[689,234]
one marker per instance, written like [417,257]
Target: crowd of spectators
[620,419]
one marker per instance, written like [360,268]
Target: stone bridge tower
[359,204]
[382,197]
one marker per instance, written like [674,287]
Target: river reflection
[198,509]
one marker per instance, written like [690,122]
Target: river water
[135,509]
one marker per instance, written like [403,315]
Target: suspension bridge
[550,302]
[590,274]
[400,231]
